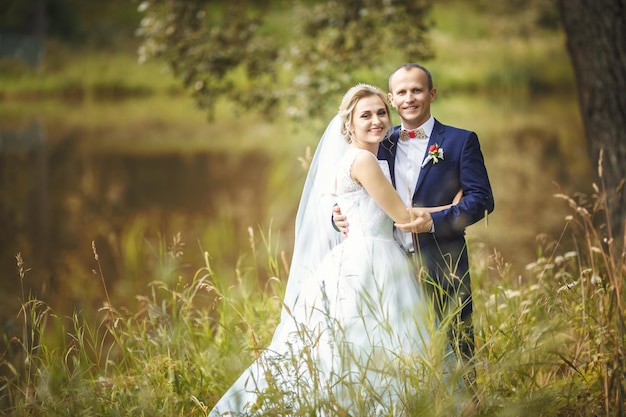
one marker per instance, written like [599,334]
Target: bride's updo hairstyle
[348,103]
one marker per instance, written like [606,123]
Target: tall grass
[550,344]
[555,344]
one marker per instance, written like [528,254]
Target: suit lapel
[437,136]
[390,146]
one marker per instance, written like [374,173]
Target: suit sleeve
[477,194]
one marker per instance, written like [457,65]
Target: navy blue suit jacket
[444,252]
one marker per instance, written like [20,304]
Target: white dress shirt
[409,157]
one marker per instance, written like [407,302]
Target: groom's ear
[390,100]
[433,94]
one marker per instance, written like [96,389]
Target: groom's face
[411,97]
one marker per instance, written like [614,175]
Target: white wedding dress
[359,319]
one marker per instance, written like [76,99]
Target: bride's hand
[422,222]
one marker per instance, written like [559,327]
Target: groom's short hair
[414,66]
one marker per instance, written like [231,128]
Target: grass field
[550,347]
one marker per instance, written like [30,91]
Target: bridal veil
[314,232]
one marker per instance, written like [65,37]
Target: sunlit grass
[552,344]
[481,51]
[161,124]
[84,72]
[539,65]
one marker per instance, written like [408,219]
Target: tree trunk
[596,42]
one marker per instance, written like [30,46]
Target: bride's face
[370,120]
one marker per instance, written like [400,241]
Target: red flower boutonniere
[435,153]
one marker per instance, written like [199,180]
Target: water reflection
[24,162]
[57,199]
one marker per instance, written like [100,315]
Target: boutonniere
[435,153]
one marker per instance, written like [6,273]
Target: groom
[429,163]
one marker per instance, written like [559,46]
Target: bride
[354,320]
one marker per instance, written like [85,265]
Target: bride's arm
[420,216]
[366,171]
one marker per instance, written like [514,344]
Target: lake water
[58,196]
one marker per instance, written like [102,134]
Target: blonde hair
[349,101]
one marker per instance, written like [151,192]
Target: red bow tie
[412,134]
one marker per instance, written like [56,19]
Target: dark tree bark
[596,42]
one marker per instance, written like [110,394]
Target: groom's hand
[340,221]
[422,223]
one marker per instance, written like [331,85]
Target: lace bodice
[366,218]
